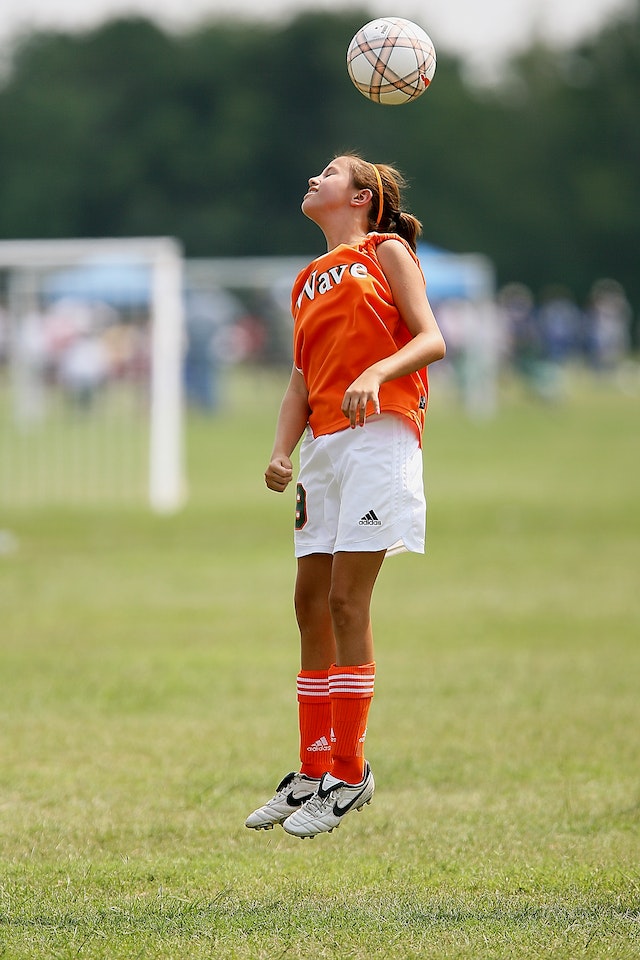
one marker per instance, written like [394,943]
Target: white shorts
[361,490]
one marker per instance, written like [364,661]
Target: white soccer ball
[391,60]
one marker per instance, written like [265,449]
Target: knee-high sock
[351,692]
[314,717]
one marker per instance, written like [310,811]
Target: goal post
[166,454]
[51,450]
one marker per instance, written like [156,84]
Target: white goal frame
[163,255]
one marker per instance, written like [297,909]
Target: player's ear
[362,197]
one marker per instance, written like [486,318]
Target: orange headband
[380,194]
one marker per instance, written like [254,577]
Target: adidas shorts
[361,490]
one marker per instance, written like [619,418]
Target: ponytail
[406,226]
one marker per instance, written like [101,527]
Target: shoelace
[317,803]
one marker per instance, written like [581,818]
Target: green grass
[147,670]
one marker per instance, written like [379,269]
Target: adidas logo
[370,519]
[319,746]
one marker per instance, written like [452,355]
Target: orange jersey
[345,320]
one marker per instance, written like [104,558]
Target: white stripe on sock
[356,677]
[351,683]
[313,686]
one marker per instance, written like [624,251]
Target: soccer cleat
[290,794]
[325,810]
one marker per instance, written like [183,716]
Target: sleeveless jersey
[345,320]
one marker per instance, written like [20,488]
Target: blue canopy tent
[461,276]
[120,283]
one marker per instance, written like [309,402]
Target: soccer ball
[391,60]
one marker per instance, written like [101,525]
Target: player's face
[332,189]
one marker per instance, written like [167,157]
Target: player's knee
[344,610]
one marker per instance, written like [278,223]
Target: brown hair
[393,219]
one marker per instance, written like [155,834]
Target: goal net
[91,346]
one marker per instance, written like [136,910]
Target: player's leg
[353,577]
[352,677]
[349,784]
[313,582]
[311,601]
[317,653]
[315,530]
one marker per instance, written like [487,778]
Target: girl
[363,335]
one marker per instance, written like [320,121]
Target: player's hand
[363,390]
[279,474]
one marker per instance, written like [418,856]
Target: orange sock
[314,717]
[351,692]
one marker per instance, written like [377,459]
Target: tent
[118,281]
[465,276]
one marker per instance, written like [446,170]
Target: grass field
[147,671]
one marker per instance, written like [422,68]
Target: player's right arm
[292,420]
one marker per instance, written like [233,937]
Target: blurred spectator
[561,324]
[208,318]
[609,320]
[84,368]
[516,306]
[475,344]
[29,359]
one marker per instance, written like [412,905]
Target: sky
[482,33]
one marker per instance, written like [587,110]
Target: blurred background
[202,122]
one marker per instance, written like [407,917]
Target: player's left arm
[426,345]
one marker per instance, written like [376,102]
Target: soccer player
[364,333]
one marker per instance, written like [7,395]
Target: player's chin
[307,205]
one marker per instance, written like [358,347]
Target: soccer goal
[91,347]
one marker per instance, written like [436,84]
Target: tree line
[211,134]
